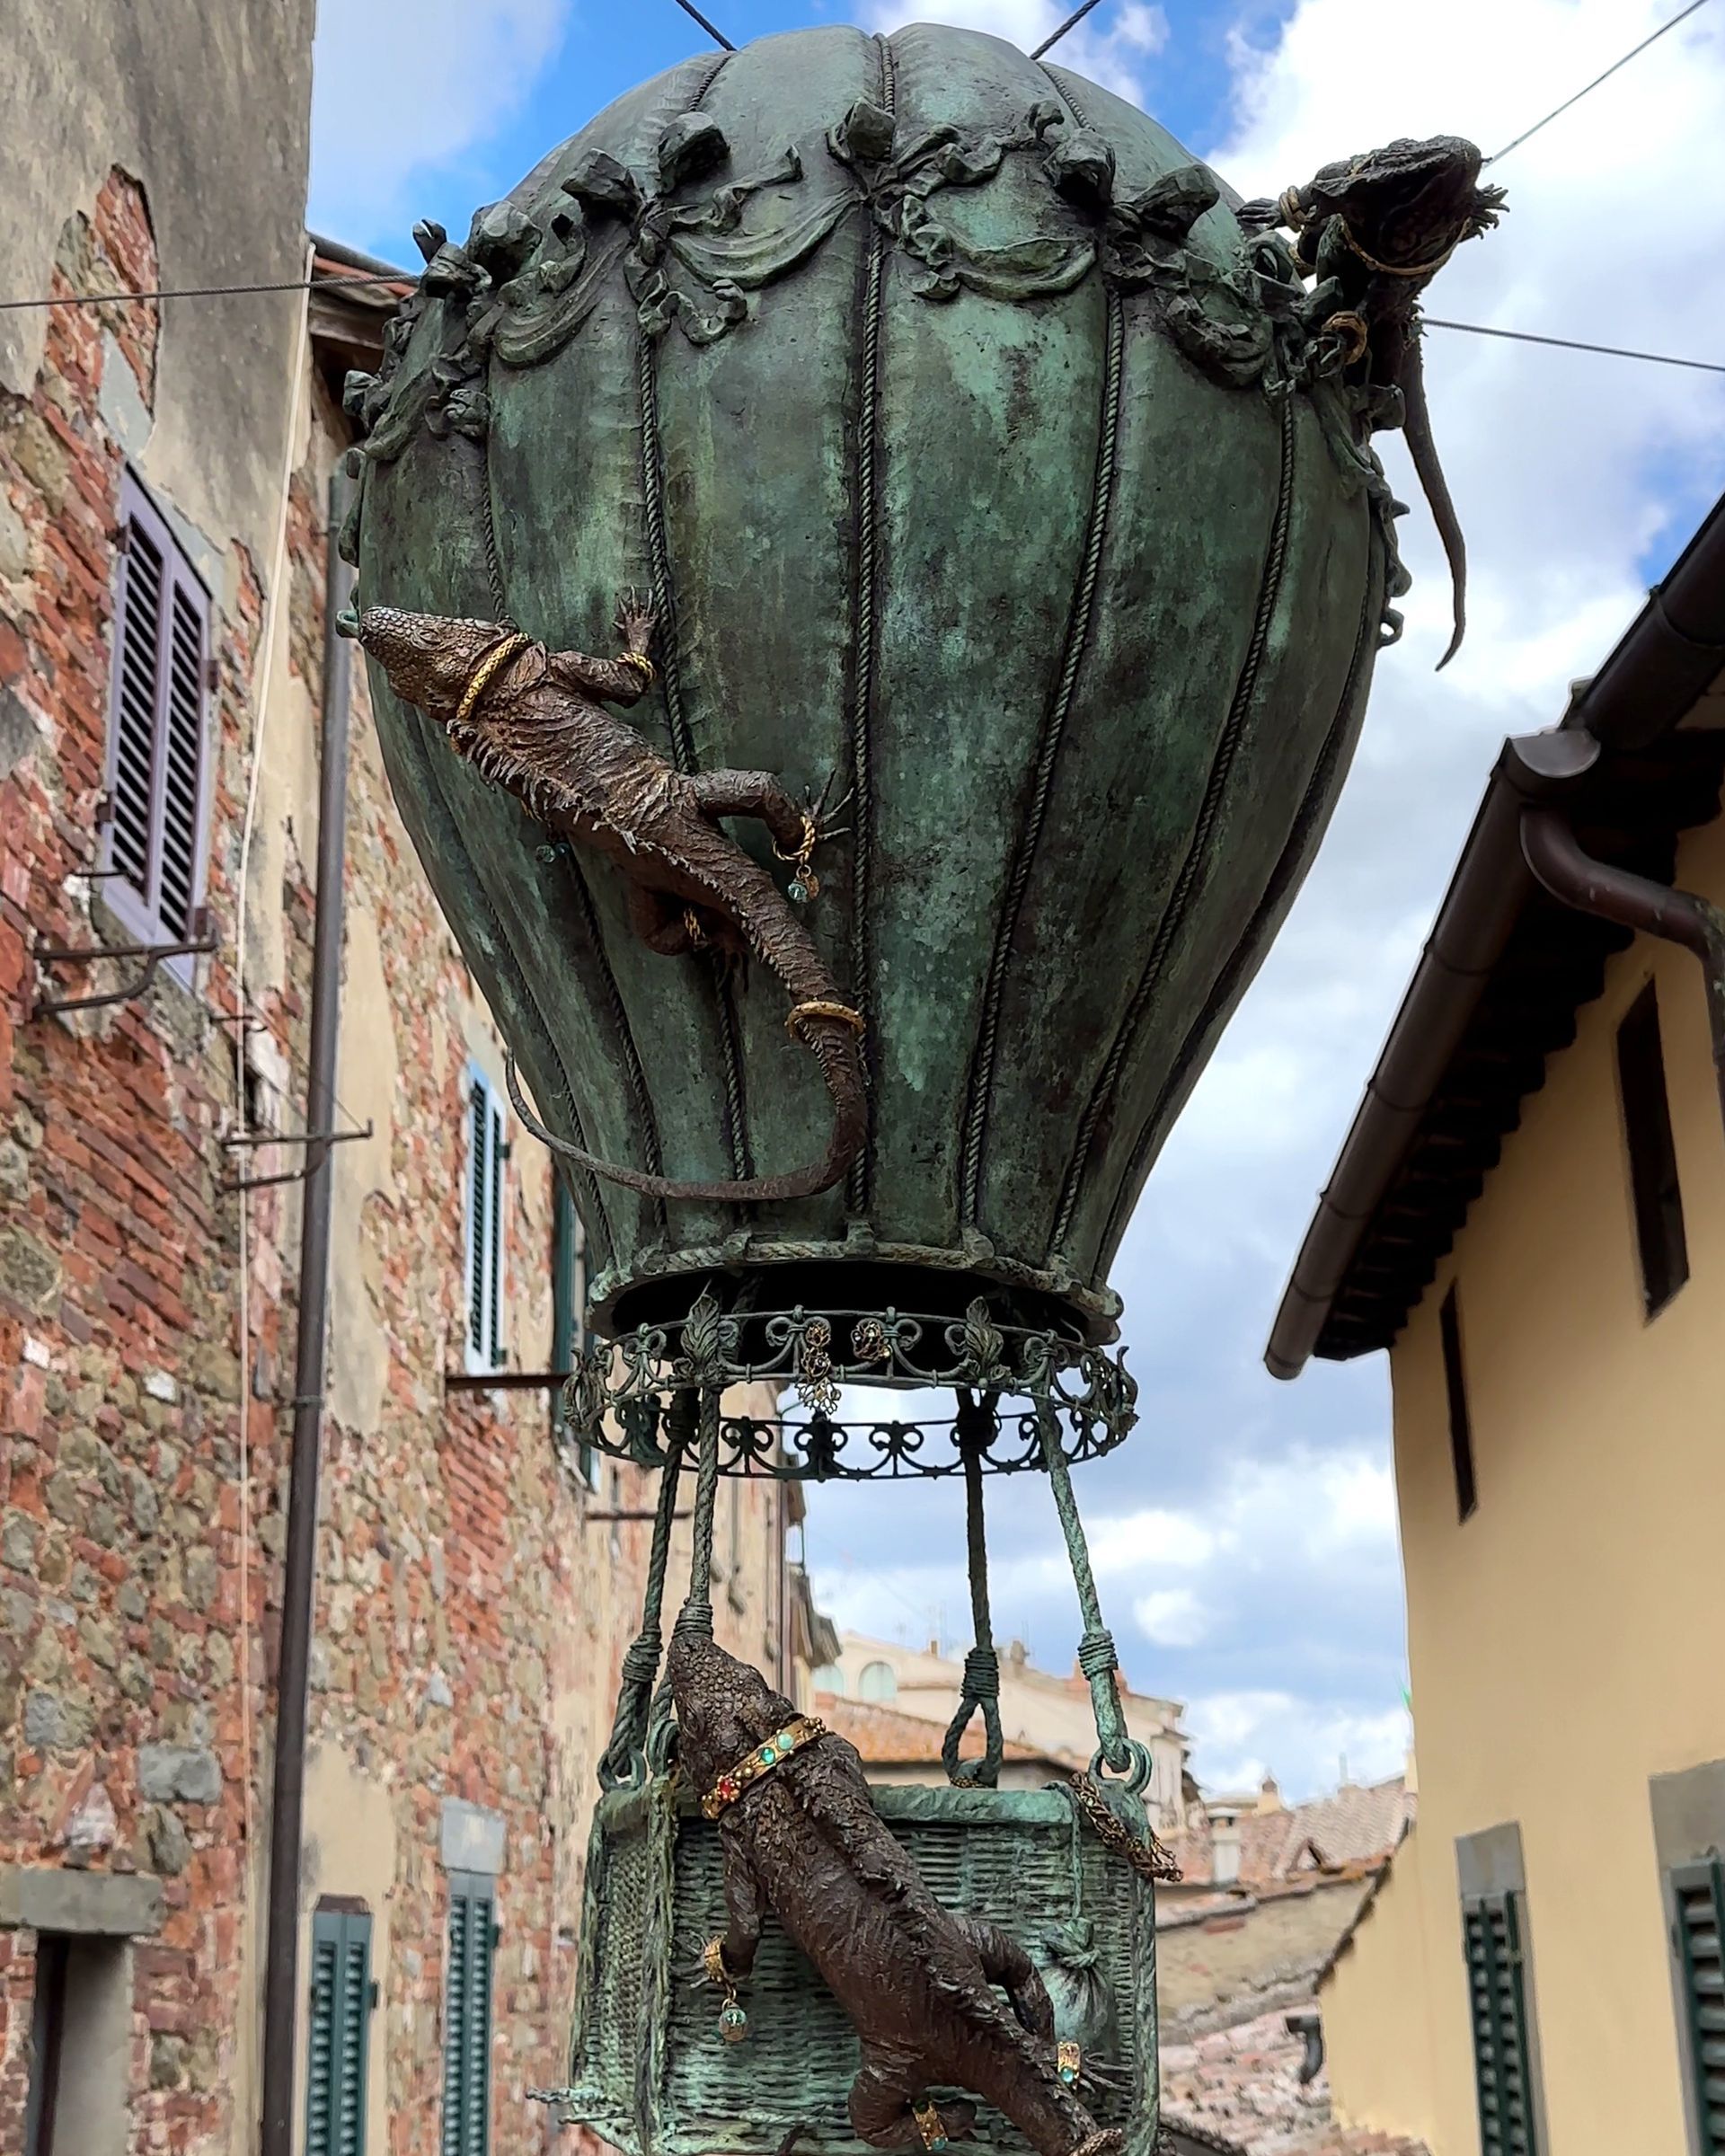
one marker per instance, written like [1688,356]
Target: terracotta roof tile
[885,1736]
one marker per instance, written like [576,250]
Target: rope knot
[1096,1654]
[641,1660]
[982,1673]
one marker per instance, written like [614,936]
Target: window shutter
[155,757]
[467,2018]
[1698,1901]
[479,1169]
[136,686]
[182,756]
[1498,2005]
[494,1236]
[335,2096]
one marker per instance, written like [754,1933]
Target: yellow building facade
[1539,1240]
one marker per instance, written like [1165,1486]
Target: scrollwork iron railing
[622,1394]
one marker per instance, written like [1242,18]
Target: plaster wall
[1376,2004]
[89,85]
[1564,1640]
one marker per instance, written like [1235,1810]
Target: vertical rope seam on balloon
[1053,730]
[670,673]
[1192,865]
[1317,788]
[867,631]
[651,1147]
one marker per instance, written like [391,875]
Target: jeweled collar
[799,1730]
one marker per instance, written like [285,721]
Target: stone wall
[471,1615]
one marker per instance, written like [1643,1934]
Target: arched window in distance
[878,1684]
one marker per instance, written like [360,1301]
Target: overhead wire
[1473,329]
[1575,344]
[1071,23]
[1527,134]
[716,34]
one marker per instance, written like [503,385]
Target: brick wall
[470,1618]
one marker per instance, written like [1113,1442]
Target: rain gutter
[281,2082]
[1670,655]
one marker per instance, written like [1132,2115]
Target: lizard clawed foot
[636,620]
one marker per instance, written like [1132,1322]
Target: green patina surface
[959,470]
[650,2068]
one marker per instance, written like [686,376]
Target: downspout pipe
[1554,854]
[299,1583]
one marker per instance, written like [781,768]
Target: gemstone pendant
[733,2022]
[799,890]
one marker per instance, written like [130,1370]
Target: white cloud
[1243,1736]
[1112,53]
[1171,1617]
[399,87]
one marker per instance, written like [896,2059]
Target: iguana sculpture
[533,720]
[1381,226]
[917,1981]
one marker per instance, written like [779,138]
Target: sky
[1244,1537]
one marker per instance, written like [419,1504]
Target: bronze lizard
[1381,226]
[916,1980]
[533,720]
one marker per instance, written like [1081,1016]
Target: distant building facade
[162,621]
[1050,1716]
[1530,1216]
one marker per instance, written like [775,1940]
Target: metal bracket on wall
[504,1381]
[154,955]
[285,1137]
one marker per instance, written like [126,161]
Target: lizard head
[724,1709]
[429,657]
[1408,204]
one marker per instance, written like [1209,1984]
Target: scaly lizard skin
[1383,226]
[917,1980]
[539,729]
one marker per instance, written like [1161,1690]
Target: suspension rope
[1096,1656]
[974,1426]
[697,1614]
[1527,134]
[626,1756]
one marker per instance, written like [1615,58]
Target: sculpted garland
[1371,231]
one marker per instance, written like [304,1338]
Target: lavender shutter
[155,758]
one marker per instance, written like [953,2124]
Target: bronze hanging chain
[1151,1859]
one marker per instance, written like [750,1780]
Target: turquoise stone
[767,1756]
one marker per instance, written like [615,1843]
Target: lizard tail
[1423,449]
[833,1033]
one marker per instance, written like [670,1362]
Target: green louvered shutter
[467,2017]
[1498,2006]
[1698,1909]
[340,2017]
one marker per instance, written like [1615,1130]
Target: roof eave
[1664,662]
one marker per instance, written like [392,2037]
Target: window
[47,2031]
[1461,1432]
[878,1683]
[568,1296]
[467,2016]
[1698,1924]
[486,1157]
[828,1677]
[1653,1158]
[79,2047]
[1498,2010]
[335,2073]
[155,844]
